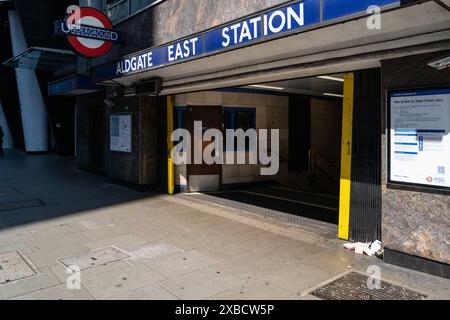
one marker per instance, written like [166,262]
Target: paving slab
[126,242]
[94,258]
[152,251]
[45,279]
[57,293]
[11,238]
[61,273]
[45,242]
[61,228]
[201,284]
[20,247]
[255,290]
[13,266]
[151,292]
[45,258]
[116,282]
[99,223]
[107,232]
[228,254]
[180,263]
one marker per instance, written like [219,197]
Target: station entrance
[307,113]
[328,152]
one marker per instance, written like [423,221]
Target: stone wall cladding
[415,222]
[175,19]
[179,18]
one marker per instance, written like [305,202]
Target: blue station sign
[264,26]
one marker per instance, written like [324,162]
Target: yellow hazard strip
[170,165]
[346,156]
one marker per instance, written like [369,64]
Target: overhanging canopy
[75,85]
[46,59]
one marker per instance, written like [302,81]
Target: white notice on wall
[120,133]
[420,137]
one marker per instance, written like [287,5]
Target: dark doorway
[203,177]
[96,139]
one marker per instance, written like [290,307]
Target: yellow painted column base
[170,165]
[346,157]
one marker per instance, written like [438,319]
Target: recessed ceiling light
[441,63]
[266,87]
[331,78]
[333,95]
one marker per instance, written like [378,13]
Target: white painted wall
[33,110]
[7,139]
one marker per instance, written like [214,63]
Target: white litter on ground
[370,249]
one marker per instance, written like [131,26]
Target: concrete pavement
[132,245]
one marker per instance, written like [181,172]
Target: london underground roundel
[90,32]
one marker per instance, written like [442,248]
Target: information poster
[419,137]
[120,133]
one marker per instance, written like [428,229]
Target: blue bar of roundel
[333,9]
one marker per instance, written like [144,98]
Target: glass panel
[137,5]
[179,116]
[178,119]
[243,120]
[227,120]
[227,124]
[110,3]
[119,12]
[42,59]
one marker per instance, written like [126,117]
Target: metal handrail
[313,167]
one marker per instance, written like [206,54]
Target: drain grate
[8,206]
[14,267]
[353,286]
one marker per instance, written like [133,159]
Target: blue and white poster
[420,137]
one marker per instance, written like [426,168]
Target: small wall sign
[121,133]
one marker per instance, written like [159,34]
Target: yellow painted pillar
[346,156]
[170,165]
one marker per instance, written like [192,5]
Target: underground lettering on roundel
[270,23]
[135,63]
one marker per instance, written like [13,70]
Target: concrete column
[97,4]
[7,139]
[33,110]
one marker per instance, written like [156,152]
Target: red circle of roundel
[80,47]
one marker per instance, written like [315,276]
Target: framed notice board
[121,132]
[419,138]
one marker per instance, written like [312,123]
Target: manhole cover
[7,206]
[353,286]
[13,267]
[94,258]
